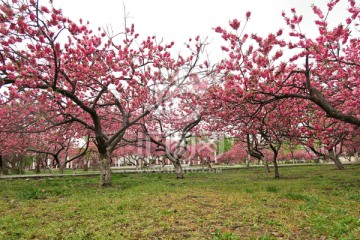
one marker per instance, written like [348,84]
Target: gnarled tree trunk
[338,163]
[276,167]
[335,157]
[275,150]
[178,170]
[105,170]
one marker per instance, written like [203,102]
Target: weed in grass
[219,235]
[121,209]
[297,196]
[267,237]
[337,229]
[272,189]
[355,197]
[248,190]
[60,192]
[272,222]
[32,193]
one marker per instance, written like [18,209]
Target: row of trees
[61,81]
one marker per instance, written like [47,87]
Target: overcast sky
[177,20]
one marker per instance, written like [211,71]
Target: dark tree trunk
[38,165]
[105,170]
[276,153]
[57,161]
[178,170]
[205,162]
[276,168]
[1,165]
[3,168]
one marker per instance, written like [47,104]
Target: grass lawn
[309,202]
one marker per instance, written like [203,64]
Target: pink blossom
[224,49]
[32,16]
[45,9]
[318,12]
[235,24]
[219,30]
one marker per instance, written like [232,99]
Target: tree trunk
[3,168]
[105,171]
[62,167]
[209,165]
[163,163]
[86,166]
[38,168]
[276,169]
[208,162]
[247,161]
[57,161]
[338,163]
[275,152]
[1,165]
[336,160]
[38,165]
[266,165]
[178,170]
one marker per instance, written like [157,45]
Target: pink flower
[224,49]
[32,16]
[248,14]
[45,9]
[235,24]
[219,30]
[318,12]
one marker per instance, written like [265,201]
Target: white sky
[177,20]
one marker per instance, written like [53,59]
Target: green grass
[309,202]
